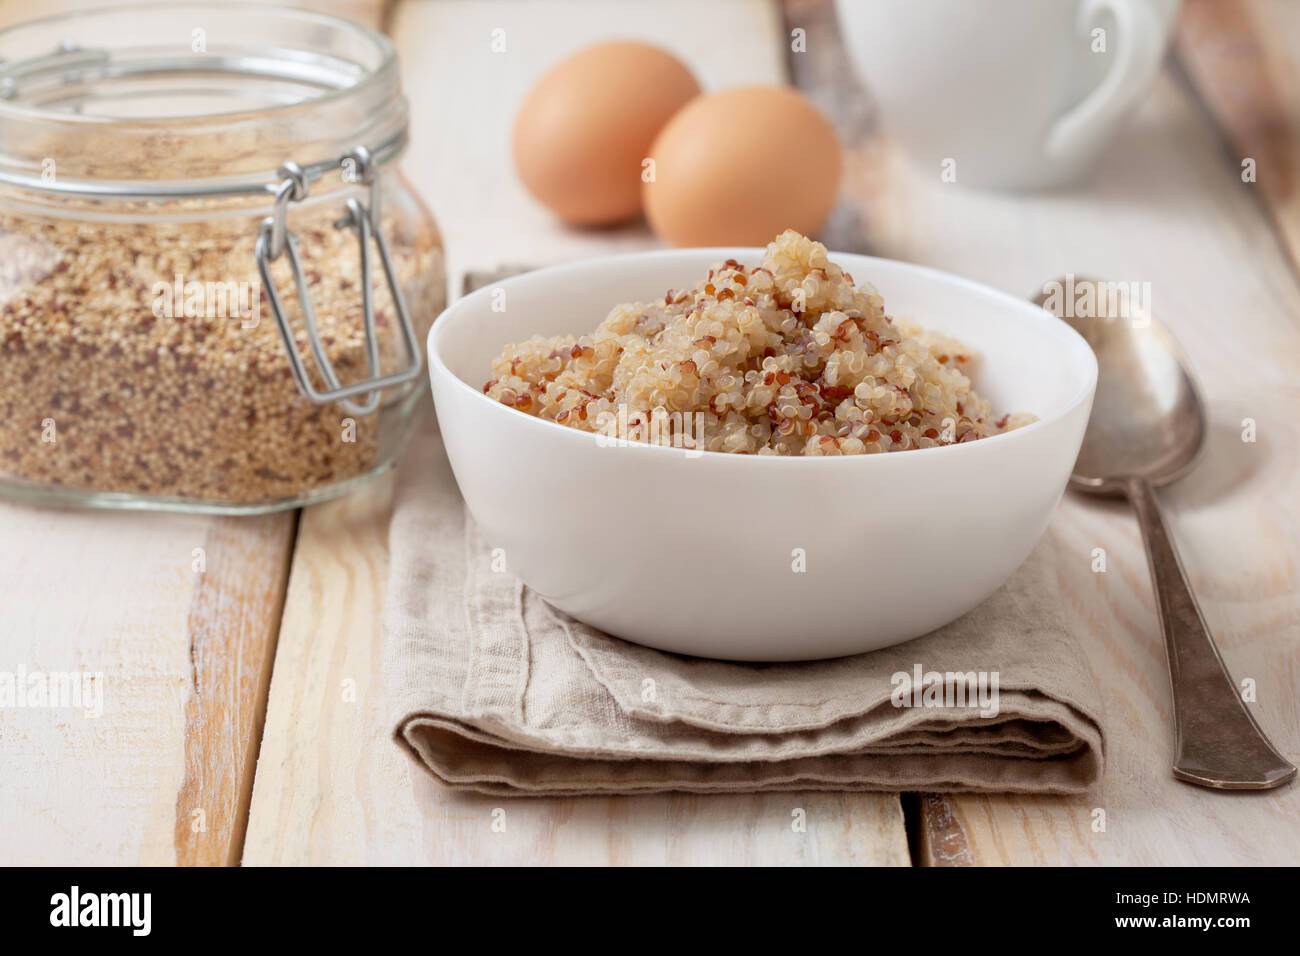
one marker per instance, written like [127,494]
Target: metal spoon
[1146,429]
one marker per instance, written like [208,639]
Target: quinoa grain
[197,406]
[806,363]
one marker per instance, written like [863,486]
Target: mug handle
[1141,46]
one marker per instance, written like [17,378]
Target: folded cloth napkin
[493,689]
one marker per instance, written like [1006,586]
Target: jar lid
[166,100]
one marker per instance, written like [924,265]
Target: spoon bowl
[1148,420]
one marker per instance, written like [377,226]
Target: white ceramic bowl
[696,553]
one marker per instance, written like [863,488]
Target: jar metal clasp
[274,239]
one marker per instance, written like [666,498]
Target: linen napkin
[492,689]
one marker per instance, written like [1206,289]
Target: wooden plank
[233,623]
[1166,209]
[1243,57]
[342,792]
[174,618]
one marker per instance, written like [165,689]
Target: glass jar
[214,284]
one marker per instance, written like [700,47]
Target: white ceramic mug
[1006,93]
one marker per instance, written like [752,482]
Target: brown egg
[584,130]
[740,166]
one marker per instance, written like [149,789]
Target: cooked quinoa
[788,357]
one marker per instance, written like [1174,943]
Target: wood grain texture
[182,650]
[1166,208]
[343,792]
[1243,57]
[233,623]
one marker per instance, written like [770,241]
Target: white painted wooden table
[284,622]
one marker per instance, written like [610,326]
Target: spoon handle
[1216,740]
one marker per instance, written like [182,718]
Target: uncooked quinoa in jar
[785,357]
[144,359]
[212,297]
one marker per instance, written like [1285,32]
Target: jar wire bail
[275,238]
